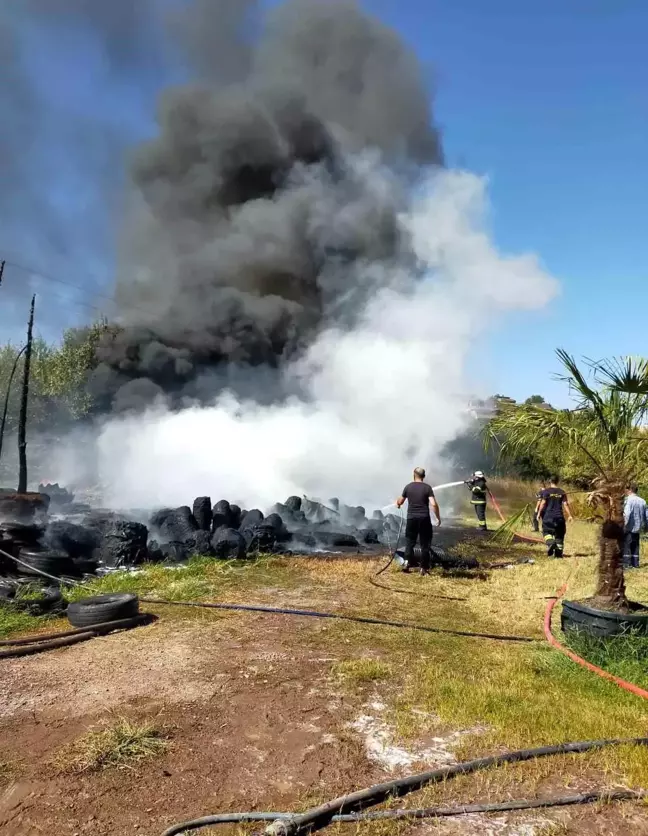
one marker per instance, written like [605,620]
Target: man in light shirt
[635,516]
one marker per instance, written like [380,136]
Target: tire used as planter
[578,617]
[102,608]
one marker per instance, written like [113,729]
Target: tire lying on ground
[102,608]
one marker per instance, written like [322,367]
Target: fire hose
[12,648]
[358,619]
[346,808]
[553,641]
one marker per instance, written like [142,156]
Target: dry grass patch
[120,745]
[7,772]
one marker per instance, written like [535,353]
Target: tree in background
[603,438]
[58,393]
[534,400]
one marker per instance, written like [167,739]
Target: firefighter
[553,506]
[478,491]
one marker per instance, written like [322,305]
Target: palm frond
[628,375]
[588,397]
[521,429]
[505,534]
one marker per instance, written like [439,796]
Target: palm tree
[606,430]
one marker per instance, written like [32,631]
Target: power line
[49,277]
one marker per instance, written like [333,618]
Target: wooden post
[22,422]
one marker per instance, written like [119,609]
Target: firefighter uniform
[554,526]
[478,490]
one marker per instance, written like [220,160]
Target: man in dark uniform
[478,491]
[553,505]
[420,499]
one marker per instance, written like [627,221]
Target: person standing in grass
[420,500]
[635,516]
[552,509]
[478,492]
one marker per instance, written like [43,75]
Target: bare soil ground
[253,724]
[257,719]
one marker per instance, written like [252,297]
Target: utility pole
[22,421]
[2,266]
[3,423]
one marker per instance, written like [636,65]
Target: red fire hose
[553,641]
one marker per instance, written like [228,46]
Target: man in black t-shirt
[420,499]
[553,504]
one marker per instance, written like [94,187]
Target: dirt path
[256,722]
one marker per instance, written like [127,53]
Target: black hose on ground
[498,807]
[321,816]
[51,641]
[606,796]
[358,619]
[345,808]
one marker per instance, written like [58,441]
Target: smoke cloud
[253,218]
[378,398]
[300,282]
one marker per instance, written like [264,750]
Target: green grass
[14,622]
[199,578]
[623,656]
[361,671]
[120,745]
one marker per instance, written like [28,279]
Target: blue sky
[545,97]
[548,98]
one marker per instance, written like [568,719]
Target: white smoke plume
[378,399]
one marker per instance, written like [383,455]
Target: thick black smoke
[253,215]
[254,211]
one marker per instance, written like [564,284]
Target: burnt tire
[35,561]
[202,511]
[51,602]
[102,608]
